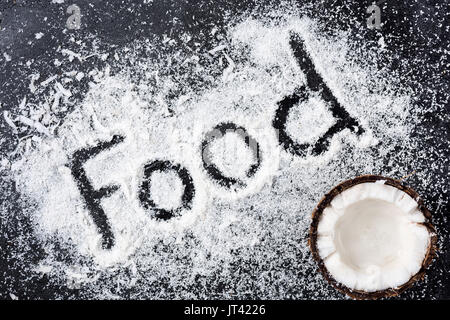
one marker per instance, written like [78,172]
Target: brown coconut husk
[390,292]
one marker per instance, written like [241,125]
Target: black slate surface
[411,36]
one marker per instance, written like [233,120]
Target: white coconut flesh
[370,237]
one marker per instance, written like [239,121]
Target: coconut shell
[390,292]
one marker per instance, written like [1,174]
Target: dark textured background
[415,33]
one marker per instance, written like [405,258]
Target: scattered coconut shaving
[247,241]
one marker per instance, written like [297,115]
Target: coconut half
[372,237]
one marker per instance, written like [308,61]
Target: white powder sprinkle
[309,121]
[166,189]
[242,235]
